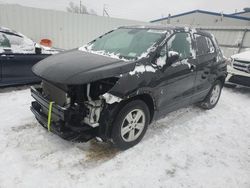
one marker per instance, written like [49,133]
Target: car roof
[168,28]
[10,31]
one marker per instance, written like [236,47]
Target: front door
[17,67]
[176,81]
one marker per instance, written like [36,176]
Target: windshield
[126,43]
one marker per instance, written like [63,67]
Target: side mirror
[38,50]
[172,57]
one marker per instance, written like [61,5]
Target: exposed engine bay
[87,100]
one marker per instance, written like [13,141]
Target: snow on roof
[244,56]
[5,29]
[203,12]
[242,12]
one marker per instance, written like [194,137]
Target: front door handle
[192,67]
[10,56]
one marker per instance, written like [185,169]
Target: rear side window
[181,43]
[204,45]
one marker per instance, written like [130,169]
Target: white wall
[66,30]
[232,40]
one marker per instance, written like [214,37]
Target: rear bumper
[60,119]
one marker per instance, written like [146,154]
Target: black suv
[115,86]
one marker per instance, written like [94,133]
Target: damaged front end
[74,112]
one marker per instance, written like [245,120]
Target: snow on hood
[142,69]
[88,48]
[244,56]
[75,67]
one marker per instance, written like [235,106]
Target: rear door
[206,56]
[4,48]
[177,81]
[0,68]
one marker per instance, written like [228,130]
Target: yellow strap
[49,115]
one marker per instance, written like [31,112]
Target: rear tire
[213,96]
[130,124]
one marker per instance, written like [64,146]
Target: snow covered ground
[189,148]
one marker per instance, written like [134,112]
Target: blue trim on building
[203,12]
[242,12]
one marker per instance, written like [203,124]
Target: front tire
[213,96]
[130,124]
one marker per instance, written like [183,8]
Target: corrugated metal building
[232,40]
[66,30]
[231,30]
[242,14]
[205,18]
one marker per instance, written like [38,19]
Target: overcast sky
[144,10]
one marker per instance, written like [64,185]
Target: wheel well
[147,99]
[149,102]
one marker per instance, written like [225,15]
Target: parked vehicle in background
[116,85]
[239,70]
[18,54]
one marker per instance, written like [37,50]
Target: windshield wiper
[127,57]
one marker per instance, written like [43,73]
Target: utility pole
[104,10]
[80,7]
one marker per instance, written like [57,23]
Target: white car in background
[239,69]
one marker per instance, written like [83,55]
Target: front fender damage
[95,105]
[111,99]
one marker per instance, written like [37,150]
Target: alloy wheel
[133,125]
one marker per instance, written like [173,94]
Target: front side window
[181,43]
[127,42]
[204,45]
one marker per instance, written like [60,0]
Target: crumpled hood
[78,67]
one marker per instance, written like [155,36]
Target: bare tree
[79,9]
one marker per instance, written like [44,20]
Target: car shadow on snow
[102,152]
[92,153]
[173,119]
[240,89]
[7,89]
